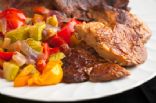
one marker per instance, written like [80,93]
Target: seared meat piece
[73,75]
[67,5]
[80,65]
[116,17]
[121,44]
[75,64]
[91,50]
[118,36]
[73,8]
[80,8]
[106,72]
[122,4]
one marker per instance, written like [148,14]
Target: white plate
[82,91]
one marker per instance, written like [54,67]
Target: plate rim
[119,91]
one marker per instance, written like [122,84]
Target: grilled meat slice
[106,72]
[72,8]
[80,8]
[80,65]
[121,44]
[73,75]
[113,18]
[121,4]
[122,32]
[75,64]
[91,51]
[63,5]
[118,36]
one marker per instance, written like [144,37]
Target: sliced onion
[46,32]
[28,51]
[30,61]
[19,59]
[15,46]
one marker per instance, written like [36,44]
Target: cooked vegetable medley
[30,53]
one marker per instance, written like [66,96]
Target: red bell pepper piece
[41,10]
[63,36]
[41,64]
[14,18]
[13,23]
[53,50]
[67,31]
[6,55]
[47,51]
[56,41]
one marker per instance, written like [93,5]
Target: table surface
[145,93]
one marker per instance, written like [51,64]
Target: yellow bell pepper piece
[53,21]
[25,75]
[10,70]
[36,30]
[18,34]
[51,75]
[57,56]
[36,45]
[28,70]
[37,18]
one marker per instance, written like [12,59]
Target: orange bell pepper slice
[51,75]
[25,75]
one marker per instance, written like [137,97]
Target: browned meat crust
[80,8]
[113,17]
[73,75]
[122,4]
[120,45]
[118,36]
[75,63]
[64,5]
[80,65]
[107,72]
